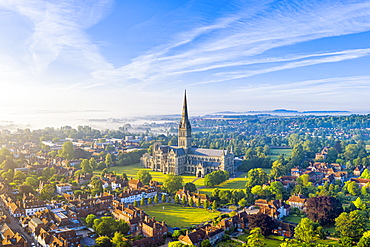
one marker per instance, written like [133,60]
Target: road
[15,226]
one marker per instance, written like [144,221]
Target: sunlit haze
[77,60]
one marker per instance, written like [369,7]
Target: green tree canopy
[305,230]
[144,176]
[172,183]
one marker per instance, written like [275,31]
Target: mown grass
[236,183]
[276,152]
[131,171]
[293,219]
[176,215]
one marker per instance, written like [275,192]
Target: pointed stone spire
[184,139]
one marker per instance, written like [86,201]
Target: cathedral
[187,159]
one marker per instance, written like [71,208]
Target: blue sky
[133,58]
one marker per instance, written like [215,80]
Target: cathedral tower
[184,140]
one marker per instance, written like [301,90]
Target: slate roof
[207,152]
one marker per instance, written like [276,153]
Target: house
[195,196]
[297,201]
[64,188]
[285,229]
[357,171]
[360,181]
[135,184]
[214,234]
[276,209]
[131,215]
[150,227]
[11,237]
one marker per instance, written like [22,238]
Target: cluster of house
[214,233]
[140,223]
[96,146]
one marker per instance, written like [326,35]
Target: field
[275,152]
[236,183]
[176,215]
[132,170]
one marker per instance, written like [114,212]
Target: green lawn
[275,152]
[132,170]
[293,219]
[236,183]
[176,215]
[270,240]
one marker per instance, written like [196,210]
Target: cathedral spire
[184,140]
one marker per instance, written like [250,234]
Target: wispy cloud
[240,39]
[58,31]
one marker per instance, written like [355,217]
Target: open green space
[231,184]
[276,152]
[131,171]
[176,215]
[292,219]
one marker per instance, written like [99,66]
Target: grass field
[275,152]
[236,183]
[176,215]
[293,219]
[132,170]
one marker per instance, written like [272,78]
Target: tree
[359,204]
[164,199]
[206,204]
[323,209]
[191,202]
[67,150]
[172,183]
[305,230]
[198,203]
[345,241]
[135,204]
[365,174]
[19,176]
[108,160]
[150,200]
[364,240]
[190,187]
[177,199]
[103,241]
[352,188]
[183,200]
[47,192]
[205,243]
[144,176]
[86,167]
[90,220]
[256,238]
[142,201]
[262,221]
[278,169]
[351,224]
[256,177]
[277,188]
[243,202]
[93,163]
[117,239]
[215,177]
[156,200]
[214,205]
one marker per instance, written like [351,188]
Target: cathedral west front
[187,159]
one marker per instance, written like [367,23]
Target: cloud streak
[238,41]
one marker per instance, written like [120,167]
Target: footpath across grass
[176,215]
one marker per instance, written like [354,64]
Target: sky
[122,58]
